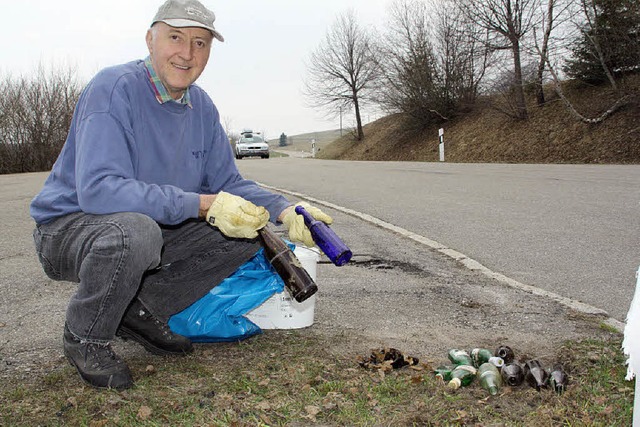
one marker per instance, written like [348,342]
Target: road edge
[466,261]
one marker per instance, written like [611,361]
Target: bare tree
[431,62]
[35,115]
[507,22]
[342,70]
[227,123]
[554,19]
[619,103]
[460,50]
[600,54]
[409,65]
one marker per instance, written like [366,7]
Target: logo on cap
[197,12]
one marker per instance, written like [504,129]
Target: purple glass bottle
[326,239]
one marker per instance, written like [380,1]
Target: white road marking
[469,263]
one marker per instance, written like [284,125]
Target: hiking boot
[155,335]
[97,364]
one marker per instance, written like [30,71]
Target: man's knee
[141,237]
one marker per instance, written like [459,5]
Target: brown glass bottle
[295,277]
[505,352]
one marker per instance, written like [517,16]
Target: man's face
[178,55]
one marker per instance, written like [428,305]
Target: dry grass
[551,135]
[301,379]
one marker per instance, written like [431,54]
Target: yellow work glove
[236,217]
[298,231]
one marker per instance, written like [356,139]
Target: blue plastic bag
[219,315]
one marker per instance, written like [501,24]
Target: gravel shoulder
[395,293]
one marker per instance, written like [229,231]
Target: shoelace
[101,356]
[162,325]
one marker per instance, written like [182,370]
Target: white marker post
[313,147]
[441,137]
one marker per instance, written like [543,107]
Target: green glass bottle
[443,373]
[462,375]
[480,356]
[460,357]
[489,378]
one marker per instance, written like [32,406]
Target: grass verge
[300,378]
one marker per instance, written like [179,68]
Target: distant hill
[551,135]
[302,142]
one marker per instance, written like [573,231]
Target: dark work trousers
[116,257]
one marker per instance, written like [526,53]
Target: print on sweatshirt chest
[199,154]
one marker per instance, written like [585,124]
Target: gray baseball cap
[187,13]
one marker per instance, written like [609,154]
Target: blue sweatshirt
[126,152]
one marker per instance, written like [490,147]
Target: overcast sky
[255,77]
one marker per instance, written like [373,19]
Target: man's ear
[149,39]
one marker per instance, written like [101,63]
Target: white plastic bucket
[281,311]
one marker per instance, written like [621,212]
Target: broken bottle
[512,374]
[558,379]
[535,375]
[443,373]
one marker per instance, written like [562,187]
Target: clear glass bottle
[489,378]
[496,361]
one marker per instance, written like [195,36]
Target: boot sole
[127,334]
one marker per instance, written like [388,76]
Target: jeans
[117,257]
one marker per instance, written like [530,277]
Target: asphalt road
[569,229]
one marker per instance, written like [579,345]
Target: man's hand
[298,231]
[206,200]
[236,217]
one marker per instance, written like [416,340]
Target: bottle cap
[496,361]
[455,383]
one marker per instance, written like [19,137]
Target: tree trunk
[540,85]
[360,132]
[521,104]
[543,54]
